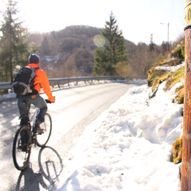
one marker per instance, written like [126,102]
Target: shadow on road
[50,168]
[9,117]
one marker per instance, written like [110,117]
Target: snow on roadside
[128,146]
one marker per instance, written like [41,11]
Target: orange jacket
[41,81]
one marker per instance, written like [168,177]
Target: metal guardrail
[62,81]
[5,85]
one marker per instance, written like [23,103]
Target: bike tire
[20,158]
[42,139]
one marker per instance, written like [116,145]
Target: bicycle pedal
[34,138]
[40,131]
[23,148]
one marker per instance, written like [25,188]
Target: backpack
[23,82]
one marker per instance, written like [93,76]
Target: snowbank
[128,146]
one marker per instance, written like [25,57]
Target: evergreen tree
[151,45]
[13,44]
[45,47]
[112,52]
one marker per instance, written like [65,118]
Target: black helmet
[33,58]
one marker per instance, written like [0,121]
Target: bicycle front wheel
[46,126]
[20,158]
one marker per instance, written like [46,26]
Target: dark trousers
[24,103]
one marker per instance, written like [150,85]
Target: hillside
[69,52]
[169,71]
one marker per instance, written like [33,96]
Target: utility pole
[186,148]
[168,31]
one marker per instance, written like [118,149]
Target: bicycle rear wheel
[46,126]
[20,158]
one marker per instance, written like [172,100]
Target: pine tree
[45,47]
[13,44]
[107,57]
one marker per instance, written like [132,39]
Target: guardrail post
[58,83]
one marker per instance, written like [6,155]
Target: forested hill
[69,52]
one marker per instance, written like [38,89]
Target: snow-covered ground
[127,148]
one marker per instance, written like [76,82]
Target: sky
[137,19]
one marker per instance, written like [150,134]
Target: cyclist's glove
[50,101]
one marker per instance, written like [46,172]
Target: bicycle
[20,157]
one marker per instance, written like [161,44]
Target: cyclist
[24,101]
